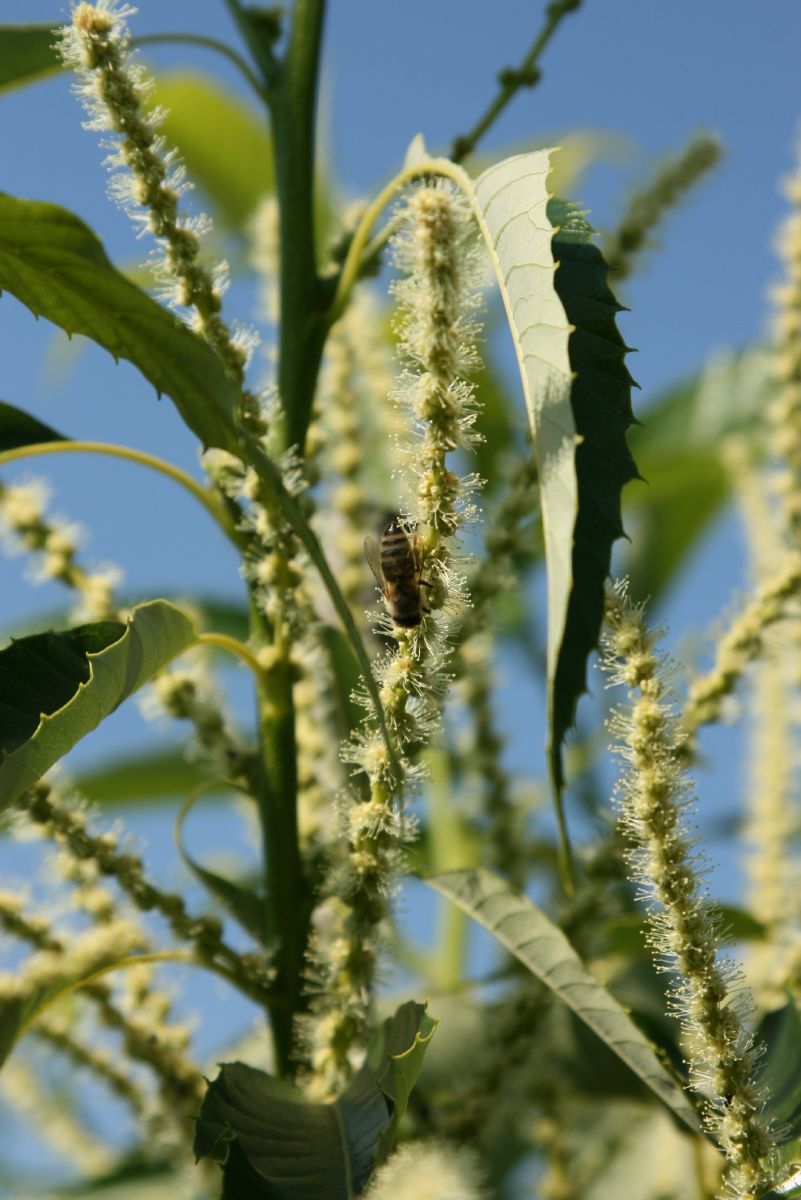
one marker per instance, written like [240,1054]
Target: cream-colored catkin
[778,594]
[785,412]
[437,300]
[771,798]
[56,1033]
[69,828]
[434,1170]
[684,925]
[146,1036]
[28,1096]
[743,642]
[149,179]
[55,545]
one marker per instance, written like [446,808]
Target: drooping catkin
[60,1128]
[437,297]
[706,992]
[55,544]
[69,827]
[146,1035]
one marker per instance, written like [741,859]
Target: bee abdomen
[397,559]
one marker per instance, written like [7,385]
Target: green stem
[302,295]
[210,500]
[527,74]
[450,850]
[210,43]
[260,49]
[235,647]
[289,902]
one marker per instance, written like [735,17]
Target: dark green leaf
[18,428]
[780,1031]
[528,934]
[53,263]
[247,906]
[57,687]
[275,1145]
[512,199]
[601,400]
[26,54]
[223,141]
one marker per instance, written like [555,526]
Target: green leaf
[274,1144]
[625,932]
[601,401]
[26,54]
[495,424]
[55,265]
[513,200]
[345,670]
[678,449]
[247,906]
[18,428]
[223,141]
[780,1076]
[147,777]
[57,687]
[528,934]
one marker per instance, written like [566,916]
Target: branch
[512,79]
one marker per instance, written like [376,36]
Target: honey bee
[397,563]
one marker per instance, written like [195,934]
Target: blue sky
[652,73]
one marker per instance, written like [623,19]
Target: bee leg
[425,608]
[426,583]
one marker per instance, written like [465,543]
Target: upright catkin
[438,295]
[684,933]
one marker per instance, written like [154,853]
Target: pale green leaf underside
[155,634]
[513,197]
[531,937]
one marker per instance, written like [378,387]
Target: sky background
[654,74]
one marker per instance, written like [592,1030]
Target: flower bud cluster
[685,927]
[189,694]
[56,543]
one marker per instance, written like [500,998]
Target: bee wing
[373,556]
